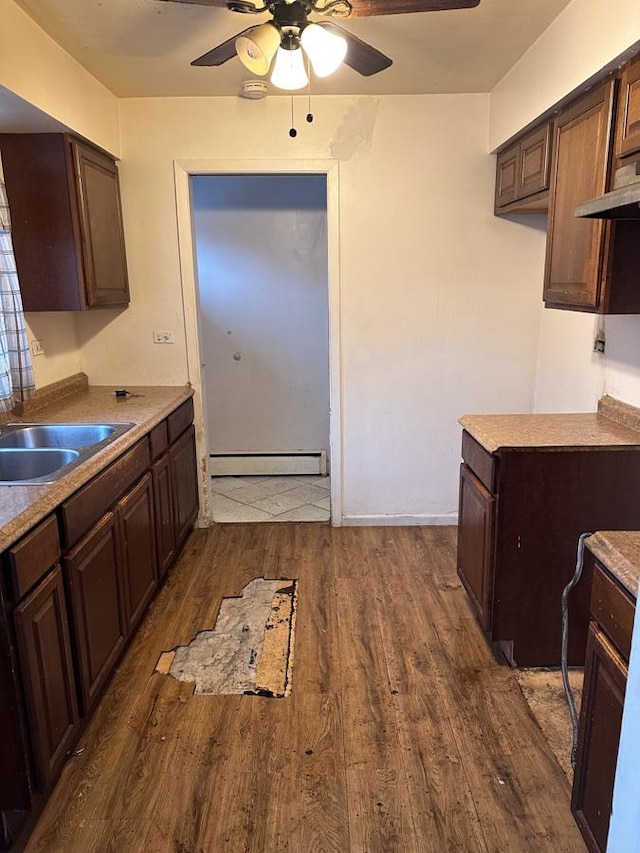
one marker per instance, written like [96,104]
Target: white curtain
[16,369]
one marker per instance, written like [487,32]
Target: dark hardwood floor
[403,735]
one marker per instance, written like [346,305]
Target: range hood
[623,202]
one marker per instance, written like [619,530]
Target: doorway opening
[261,250]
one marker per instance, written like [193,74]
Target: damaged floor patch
[249,650]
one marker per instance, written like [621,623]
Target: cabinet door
[628,125]
[93,570]
[104,262]
[47,671]
[605,680]
[185,484]
[575,247]
[507,176]
[475,542]
[534,163]
[163,503]
[137,532]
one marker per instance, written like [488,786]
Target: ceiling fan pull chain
[292,132]
[309,114]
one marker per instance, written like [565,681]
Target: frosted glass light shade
[288,71]
[325,50]
[257,47]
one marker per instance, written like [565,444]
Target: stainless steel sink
[58,435]
[18,464]
[35,454]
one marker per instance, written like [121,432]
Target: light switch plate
[161,336]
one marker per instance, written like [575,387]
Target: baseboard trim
[400,520]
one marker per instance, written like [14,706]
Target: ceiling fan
[290,35]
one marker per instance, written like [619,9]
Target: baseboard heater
[268,464]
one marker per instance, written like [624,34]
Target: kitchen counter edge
[22,507]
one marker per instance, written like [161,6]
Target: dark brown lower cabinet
[118,536]
[600,724]
[44,652]
[94,572]
[185,483]
[163,500]
[135,514]
[476,517]
[522,511]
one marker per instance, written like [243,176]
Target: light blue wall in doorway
[261,250]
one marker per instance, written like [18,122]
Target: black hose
[565,646]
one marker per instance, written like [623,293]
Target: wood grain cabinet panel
[101,229]
[475,542]
[137,535]
[628,122]
[600,726]
[94,572]
[163,503]
[522,173]
[535,162]
[47,673]
[591,264]
[66,219]
[575,247]
[507,176]
[185,484]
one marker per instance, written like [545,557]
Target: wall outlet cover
[161,336]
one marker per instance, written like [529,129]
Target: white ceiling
[142,48]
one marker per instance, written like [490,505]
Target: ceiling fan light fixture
[325,50]
[288,71]
[257,47]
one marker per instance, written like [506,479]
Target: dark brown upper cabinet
[522,174]
[68,239]
[591,265]
[628,119]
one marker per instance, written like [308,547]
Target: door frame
[183,171]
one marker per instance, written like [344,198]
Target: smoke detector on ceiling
[254,90]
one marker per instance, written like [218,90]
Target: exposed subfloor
[283,498]
[402,733]
[543,690]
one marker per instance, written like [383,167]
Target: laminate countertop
[619,553]
[22,507]
[615,424]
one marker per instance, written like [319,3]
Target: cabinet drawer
[613,610]
[33,556]
[91,502]
[482,463]
[179,420]
[158,440]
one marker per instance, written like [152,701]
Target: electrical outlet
[599,343]
[37,348]
[163,337]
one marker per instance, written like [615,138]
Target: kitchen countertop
[619,553]
[612,426]
[22,507]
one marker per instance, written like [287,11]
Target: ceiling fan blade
[221,53]
[367,8]
[362,57]
[239,6]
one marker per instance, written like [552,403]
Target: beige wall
[439,304]
[36,69]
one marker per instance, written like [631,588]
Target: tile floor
[291,498]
